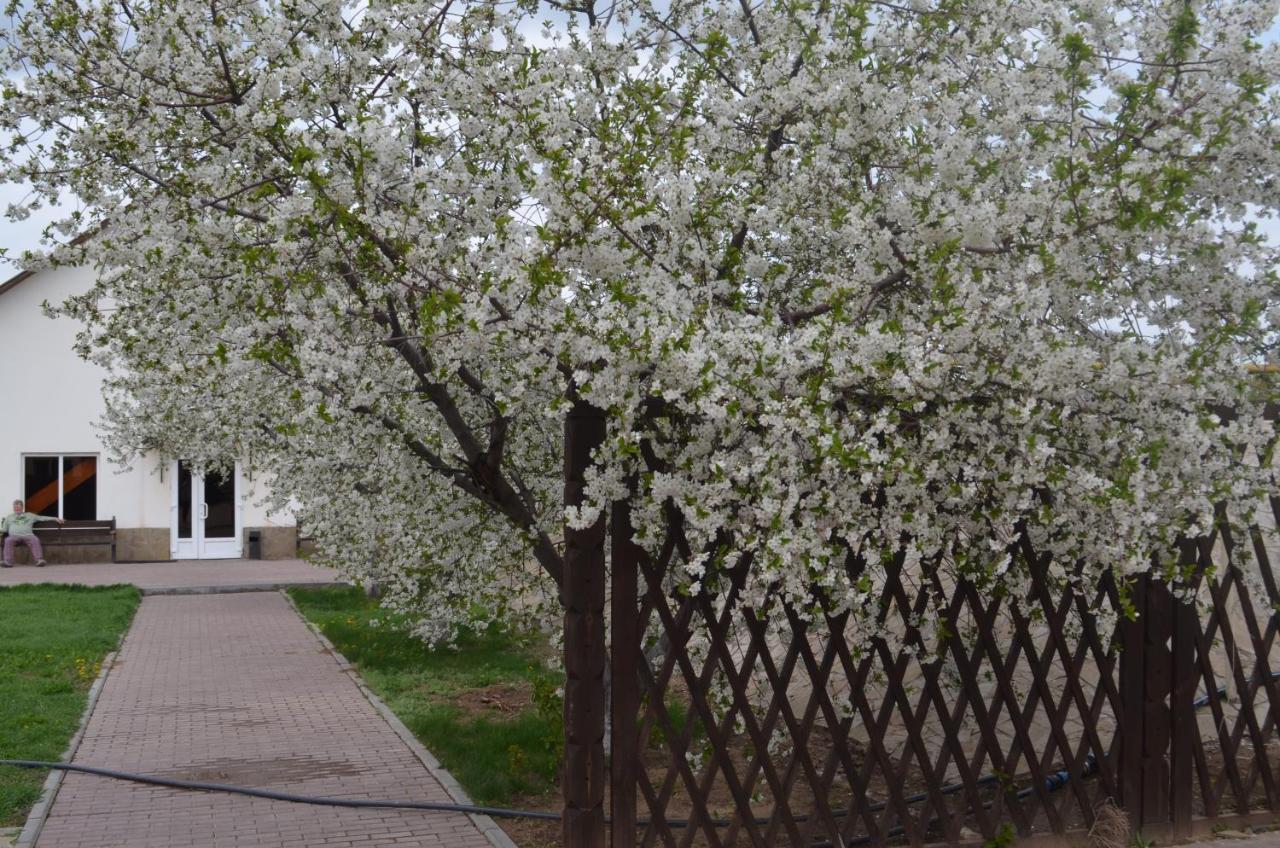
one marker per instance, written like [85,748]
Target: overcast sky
[17,236]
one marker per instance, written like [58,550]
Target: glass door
[219,537]
[206,515]
[184,485]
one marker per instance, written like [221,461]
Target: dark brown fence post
[1157,685]
[624,622]
[1132,674]
[582,594]
[1182,704]
[1157,688]
[1145,679]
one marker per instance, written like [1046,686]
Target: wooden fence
[734,725]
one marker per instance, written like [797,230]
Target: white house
[51,455]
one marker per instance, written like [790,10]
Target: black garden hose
[1052,783]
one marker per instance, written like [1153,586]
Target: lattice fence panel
[773,727]
[780,726]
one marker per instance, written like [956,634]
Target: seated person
[20,525]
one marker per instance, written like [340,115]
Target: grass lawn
[52,641]
[488,710]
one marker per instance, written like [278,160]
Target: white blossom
[842,276]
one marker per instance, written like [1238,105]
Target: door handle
[204,511]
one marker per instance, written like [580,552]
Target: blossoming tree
[848,274]
[844,270]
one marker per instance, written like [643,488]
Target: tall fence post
[624,623]
[1145,672]
[1182,699]
[1157,690]
[582,594]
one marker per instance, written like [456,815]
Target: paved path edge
[238,588]
[40,812]
[495,834]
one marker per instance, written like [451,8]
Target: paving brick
[235,689]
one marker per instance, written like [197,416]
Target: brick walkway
[236,689]
[183,575]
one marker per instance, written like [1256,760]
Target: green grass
[496,757]
[52,641]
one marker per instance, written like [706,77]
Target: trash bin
[255,544]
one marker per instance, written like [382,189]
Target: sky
[17,236]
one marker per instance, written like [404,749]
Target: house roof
[22,276]
[15,280]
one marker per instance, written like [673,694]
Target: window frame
[62,471]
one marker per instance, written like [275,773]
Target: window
[61,486]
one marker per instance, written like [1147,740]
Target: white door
[206,515]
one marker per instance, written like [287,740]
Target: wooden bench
[78,533]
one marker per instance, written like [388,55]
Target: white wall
[50,400]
